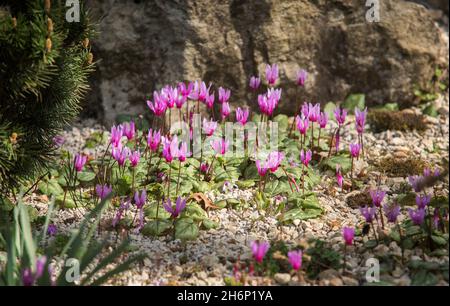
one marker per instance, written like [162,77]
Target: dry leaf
[201,197]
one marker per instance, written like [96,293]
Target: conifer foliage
[45,61]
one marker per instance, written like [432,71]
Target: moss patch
[382,120]
[395,167]
[358,199]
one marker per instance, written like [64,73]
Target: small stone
[282,278]
[177,270]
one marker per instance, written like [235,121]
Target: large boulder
[146,44]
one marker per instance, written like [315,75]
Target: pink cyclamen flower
[209,101]
[124,205]
[274,95]
[302,124]
[159,104]
[304,110]
[301,77]
[313,112]
[129,130]
[417,216]
[153,139]
[339,177]
[323,120]
[416,182]
[368,213]
[180,205]
[272,74]
[204,167]
[170,148]
[140,199]
[391,212]
[203,93]
[274,160]
[120,154]
[183,152]
[116,134]
[224,95]
[305,158]
[79,162]
[427,172]
[422,201]
[259,250]
[295,259]
[348,233]
[134,158]
[220,146]
[242,115]
[255,82]
[29,277]
[262,169]
[102,191]
[354,149]
[209,127]
[377,197]
[340,115]
[185,90]
[360,117]
[225,111]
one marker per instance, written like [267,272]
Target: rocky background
[144,45]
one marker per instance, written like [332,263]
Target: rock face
[146,44]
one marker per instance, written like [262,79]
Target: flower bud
[48,45]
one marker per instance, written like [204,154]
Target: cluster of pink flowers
[272,162]
[173,150]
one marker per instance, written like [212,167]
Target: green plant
[322,257]
[21,246]
[44,65]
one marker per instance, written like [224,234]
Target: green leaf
[354,100]
[343,160]
[86,176]
[209,224]
[195,212]
[221,203]
[245,184]
[329,109]
[156,227]
[152,211]
[431,111]
[439,240]
[50,187]
[282,122]
[424,278]
[301,214]
[186,229]
[413,230]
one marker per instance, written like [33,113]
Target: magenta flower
[129,130]
[262,169]
[295,259]
[305,158]
[220,146]
[224,95]
[323,120]
[120,154]
[416,182]
[209,127]
[339,115]
[124,205]
[272,74]
[427,172]
[134,158]
[52,230]
[417,216]
[377,197]
[102,191]
[170,148]
[360,117]
[183,152]
[29,277]
[305,109]
[180,205]
[301,77]
[159,104]
[339,177]
[153,139]
[254,82]
[313,112]
[209,101]
[80,161]
[185,90]
[203,94]
[195,91]
[348,233]
[116,135]
[204,167]
[225,111]
[140,199]
[355,149]
[391,212]
[422,201]
[274,160]
[302,124]
[368,213]
[259,250]
[275,95]
[242,115]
